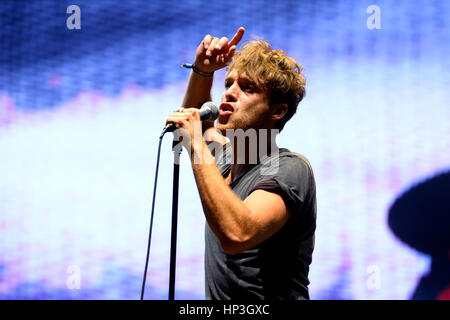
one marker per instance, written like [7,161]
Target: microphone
[208,112]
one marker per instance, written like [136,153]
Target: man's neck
[247,157]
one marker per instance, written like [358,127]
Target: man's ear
[278,111]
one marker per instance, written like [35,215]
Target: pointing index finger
[237,37]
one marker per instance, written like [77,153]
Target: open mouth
[226,109]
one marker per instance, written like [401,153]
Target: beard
[231,122]
[236,121]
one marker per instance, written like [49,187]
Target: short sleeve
[293,180]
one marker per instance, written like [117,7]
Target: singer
[260,214]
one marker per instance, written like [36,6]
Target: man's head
[262,89]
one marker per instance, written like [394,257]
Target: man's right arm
[212,54]
[197,93]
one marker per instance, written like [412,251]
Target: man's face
[244,105]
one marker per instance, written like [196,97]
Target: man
[260,214]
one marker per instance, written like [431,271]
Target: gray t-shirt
[278,267]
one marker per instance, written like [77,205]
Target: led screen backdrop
[81,111]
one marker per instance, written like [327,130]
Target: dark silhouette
[420,217]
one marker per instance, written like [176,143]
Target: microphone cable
[208,111]
[151,216]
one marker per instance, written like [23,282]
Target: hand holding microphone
[185,118]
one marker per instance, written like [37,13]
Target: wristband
[197,70]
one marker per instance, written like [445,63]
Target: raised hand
[214,53]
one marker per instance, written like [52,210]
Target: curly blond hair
[272,70]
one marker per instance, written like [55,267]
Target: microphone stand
[173,241]
[209,111]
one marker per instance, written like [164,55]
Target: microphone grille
[214,110]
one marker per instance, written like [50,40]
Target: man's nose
[231,93]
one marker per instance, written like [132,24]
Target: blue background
[81,112]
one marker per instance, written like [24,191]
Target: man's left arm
[239,225]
